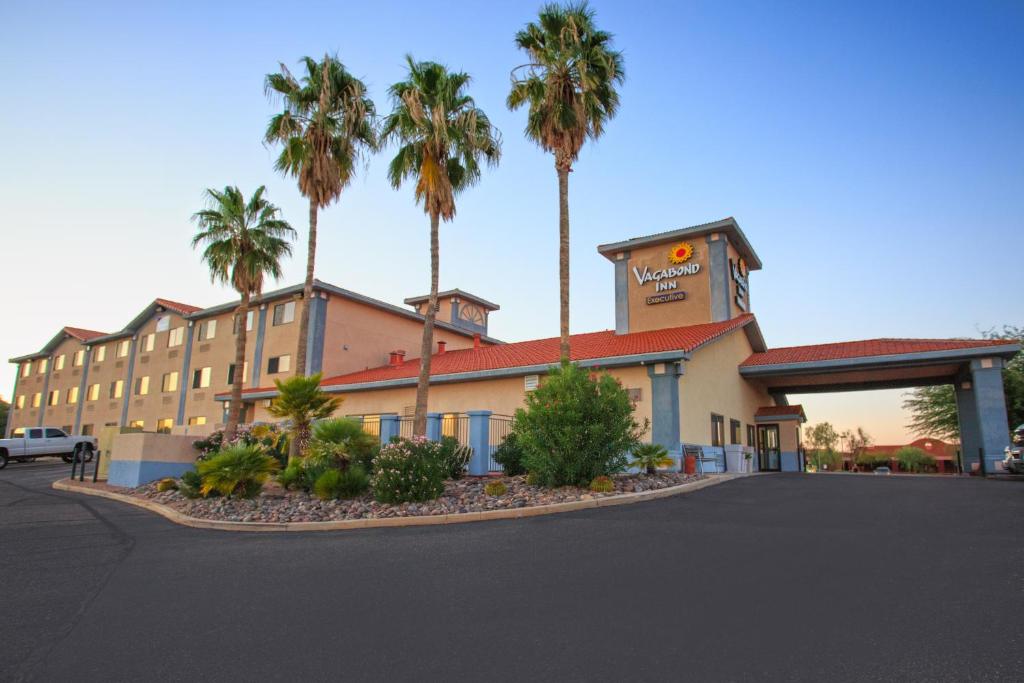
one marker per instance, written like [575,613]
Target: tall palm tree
[442,138]
[570,87]
[327,124]
[244,242]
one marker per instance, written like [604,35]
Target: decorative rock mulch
[275,504]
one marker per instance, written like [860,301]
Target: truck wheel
[3,459]
[82,454]
[87,449]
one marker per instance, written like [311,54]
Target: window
[101,354]
[751,436]
[79,358]
[37,399]
[117,388]
[86,430]
[196,421]
[284,313]
[42,366]
[176,337]
[93,392]
[58,363]
[137,425]
[207,330]
[279,364]
[231,373]
[735,429]
[717,430]
[164,426]
[201,378]
[248,322]
[26,369]
[35,434]
[54,398]
[19,402]
[123,347]
[52,433]
[149,342]
[67,429]
[169,382]
[142,386]
[72,395]
[163,323]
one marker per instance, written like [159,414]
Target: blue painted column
[990,407]
[434,426]
[82,388]
[186,363]
[970,439]
[388,428]
[45,400]
[480,441]
[128,382]
[257,355]
[622,292]
[665,406]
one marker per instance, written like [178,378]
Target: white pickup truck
[29,443]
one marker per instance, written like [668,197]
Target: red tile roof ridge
[177,306]
[82,334]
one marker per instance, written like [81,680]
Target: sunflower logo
[680,253]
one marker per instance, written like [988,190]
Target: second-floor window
[19,402]
[93,393]
[58,363]
[279,364]
[54,398]
[149,342]
[101,354]
[231,373]
[43,364]
[248,322]
[169,382]
[79,358]
[122,348]
[26,369]
[72,395]
[176,337]
[37,399]
[117,388]
[142,386]
[207,330]
[284,313]
[201,378]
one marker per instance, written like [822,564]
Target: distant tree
[822,438]
[914,460]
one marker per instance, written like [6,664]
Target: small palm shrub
[510,456]
[166,484]
[602,484]
[347,483]
[650,456]
[301,401]
[495,488]
[237,472]
[408,470]
[453,456]
[190,485]
[576,426]
[344,438]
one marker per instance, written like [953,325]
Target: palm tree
[301,400]
[325,128]
[569,85]
[244,242]
[442,138]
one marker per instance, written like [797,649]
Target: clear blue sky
[873,153]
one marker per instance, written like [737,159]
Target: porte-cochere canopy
[972,366]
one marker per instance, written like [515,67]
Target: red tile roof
[83,335]
[588,346]
[937,448]
[864,349]
[780,411]
[183,309]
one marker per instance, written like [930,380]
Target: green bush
[166,484]
[510,456]
[532,479]
[344,438]
[914,460]
[825,459]
[408,470]
[650,456]
[453,457]
[576,426]
[347,483]
[872,460]
[190,484]
[495,488]
[238,471]
[602,484]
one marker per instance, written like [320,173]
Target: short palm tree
[442,139]
[301,400]
[327,125]
[569,86]
[649,457]
[244,242]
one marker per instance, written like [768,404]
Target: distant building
[944,453]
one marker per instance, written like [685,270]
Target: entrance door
[769,455]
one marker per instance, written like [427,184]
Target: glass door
[769,455]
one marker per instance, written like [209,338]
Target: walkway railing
[499,427]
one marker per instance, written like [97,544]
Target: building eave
[729,226]
[871,362]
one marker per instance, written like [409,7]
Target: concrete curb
[339,525]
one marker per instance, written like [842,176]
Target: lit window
[163,323]
[248,322]
[79,358]
[19,402]
[37,399]
[279,364]
[142,386]
[117,388]
[43,364]
[201,378]
[169,382]
[164,426]
[54,398]
[122,348]
[207,330]
[73,395]
[101,354]
[58,363]
[93,393]
[149,342]
[26,369]
[284,313]
[137,424]
[176,337]
[231,373]
[196,421]
[86,430]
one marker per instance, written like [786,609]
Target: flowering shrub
[269,438]
[408,470]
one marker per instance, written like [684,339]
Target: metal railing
[499,429]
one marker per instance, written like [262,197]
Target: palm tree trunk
[235,412]
[419,423]
[307,293]
[563,256]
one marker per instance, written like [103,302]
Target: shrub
[238,471]
[269,437]
[650,456]
[346,483]
[453,457]
[166,484]
[190,484]
[408,470]
[576,426]
[825,459]
[510,456]
[495,488]
[532,479]
[344,438]
[914,460]
[602,484]
[872,460]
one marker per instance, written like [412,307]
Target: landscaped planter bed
[461,496]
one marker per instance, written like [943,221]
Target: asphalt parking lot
[777,577]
